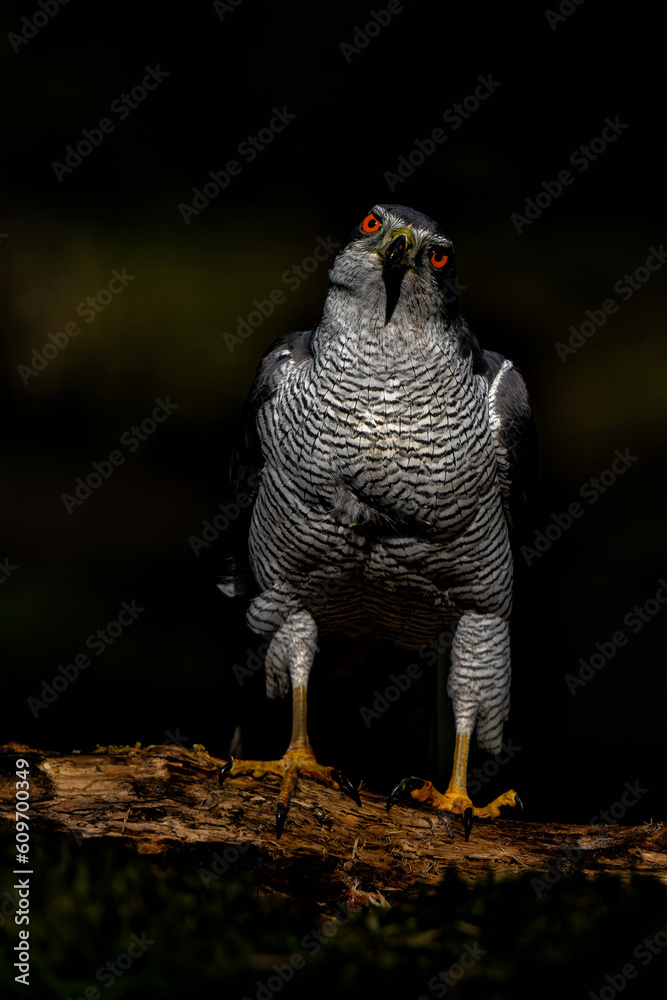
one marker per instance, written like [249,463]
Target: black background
[170,674]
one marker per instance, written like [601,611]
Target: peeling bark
[166,801]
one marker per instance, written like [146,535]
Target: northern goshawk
[386,456]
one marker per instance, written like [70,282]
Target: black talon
[403,789]
[467,821]
[225,772]
[281,816]
[346,786]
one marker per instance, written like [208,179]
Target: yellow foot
[454,800]
[298,762]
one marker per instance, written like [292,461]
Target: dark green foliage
[88,901]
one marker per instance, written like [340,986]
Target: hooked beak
[394,266]
[395,255]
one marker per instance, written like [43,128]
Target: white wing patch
[496,425]
[282,368]
[494,417]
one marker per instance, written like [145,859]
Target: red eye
[371,224]
[439,259]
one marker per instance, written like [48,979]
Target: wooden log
[165,800]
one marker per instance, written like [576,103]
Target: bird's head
[398,268]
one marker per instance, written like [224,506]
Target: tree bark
[165,801]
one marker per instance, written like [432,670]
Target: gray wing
[247,460]
[513,428]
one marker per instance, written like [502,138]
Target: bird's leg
[298,761]
[478,697]
[455,799]
[301,762]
